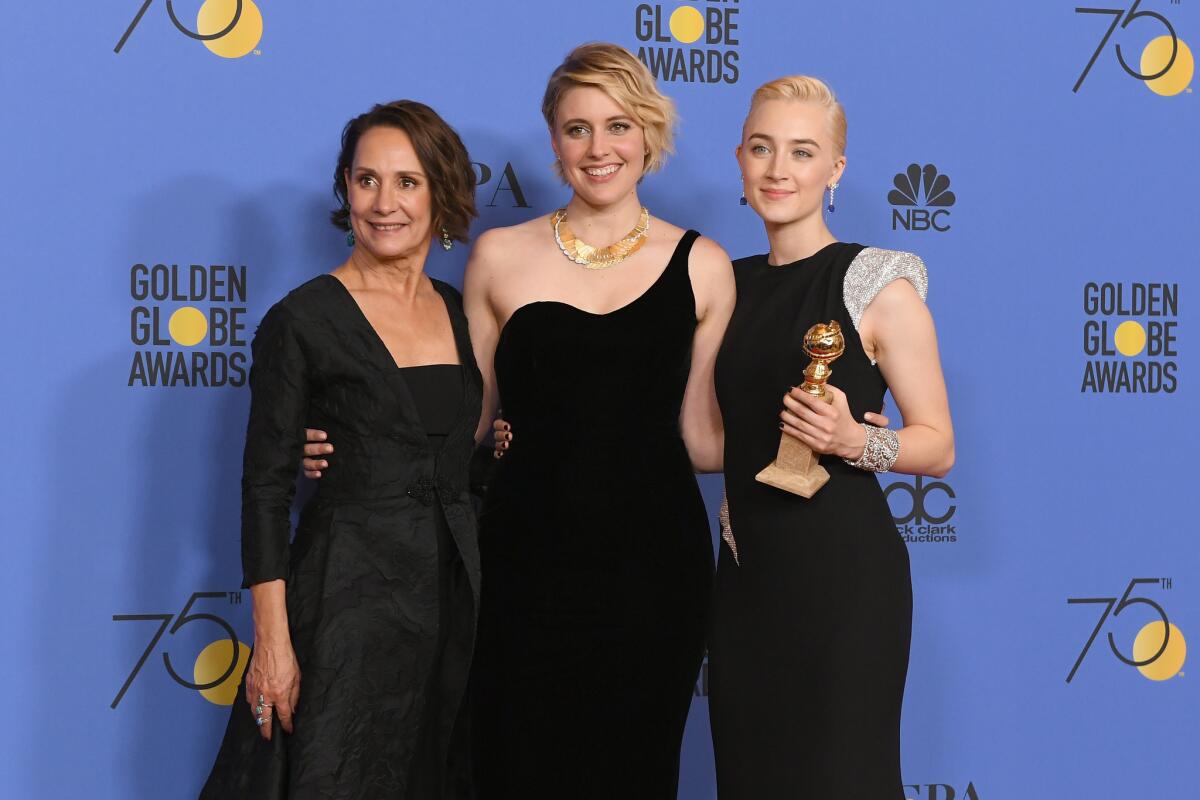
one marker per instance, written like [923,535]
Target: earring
[831,188]
[350,238]
[447,242]
[743,201]
[350,231]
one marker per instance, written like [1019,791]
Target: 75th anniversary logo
[1159,649]
[229,28]
[1166,65]
[218,667]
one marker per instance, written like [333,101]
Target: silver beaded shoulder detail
[873,269]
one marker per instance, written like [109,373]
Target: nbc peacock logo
[919,189]
[228,28]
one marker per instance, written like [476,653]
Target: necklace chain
[589,257]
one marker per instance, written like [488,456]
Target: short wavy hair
[619,74]
[440,151]
[807,89]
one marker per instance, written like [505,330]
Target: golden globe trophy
[795,468]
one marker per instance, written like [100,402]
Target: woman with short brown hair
[364,624]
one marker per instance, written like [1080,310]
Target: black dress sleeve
[274,438]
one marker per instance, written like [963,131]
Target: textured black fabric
[597,555]
[809,646]
[436,391]
[376,622]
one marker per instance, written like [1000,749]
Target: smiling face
[391,209]
[601,148]
[788,158]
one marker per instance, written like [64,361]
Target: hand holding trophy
[795,468]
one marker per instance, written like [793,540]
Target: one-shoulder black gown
[597,556]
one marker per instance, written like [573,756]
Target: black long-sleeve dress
[382,617]
[809,646]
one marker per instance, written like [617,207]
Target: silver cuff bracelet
[880,452]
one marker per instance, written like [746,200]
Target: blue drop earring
[350,232]
[743,201]
[832,187]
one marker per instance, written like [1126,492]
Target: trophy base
[804,484]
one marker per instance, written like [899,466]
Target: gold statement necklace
[590,257]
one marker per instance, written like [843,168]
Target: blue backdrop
[1061,255]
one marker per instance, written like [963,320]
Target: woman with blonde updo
[813,600]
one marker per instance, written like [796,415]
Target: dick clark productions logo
[927,516]
[922,199]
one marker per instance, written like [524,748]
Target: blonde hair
[619,74]
[807,90]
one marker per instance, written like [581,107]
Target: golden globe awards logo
[1131,339]
[188,324]
[228,28]
[695,42]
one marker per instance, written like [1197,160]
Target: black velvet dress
[809,647]
[383,574]
[597,557]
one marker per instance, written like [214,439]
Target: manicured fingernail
[781,426]
[507,427]
[322,436]
[324,465]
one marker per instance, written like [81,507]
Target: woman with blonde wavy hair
[602,323]
[812,615]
